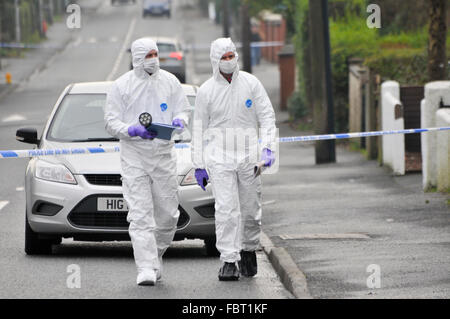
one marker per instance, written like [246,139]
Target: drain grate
[326,236]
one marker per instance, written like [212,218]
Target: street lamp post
[321,83]
[226,18]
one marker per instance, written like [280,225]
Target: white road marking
[113,39]
[122,50]
[92,40]
[14,118]
[3,203]
[20,189]
[269,202]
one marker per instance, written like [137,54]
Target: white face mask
[228,67]
[151,65]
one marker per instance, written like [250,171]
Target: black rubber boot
[229,272]
[247,265]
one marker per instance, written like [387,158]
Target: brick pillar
[286,62]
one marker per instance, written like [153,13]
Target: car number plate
[111,204]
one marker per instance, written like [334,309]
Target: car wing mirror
[27,135]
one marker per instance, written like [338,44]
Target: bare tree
[437,61]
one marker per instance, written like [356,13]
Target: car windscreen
[191,99]
[166,47]
[159,2]
[79,118]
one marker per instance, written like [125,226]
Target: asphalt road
[96,53]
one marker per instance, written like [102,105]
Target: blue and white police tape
[359,134]
[20,45]
[116,149]
[56,152]
[260,44]
[204,46]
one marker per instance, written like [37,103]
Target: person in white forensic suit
[148,164]
[233,106]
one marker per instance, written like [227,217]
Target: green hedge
[401,56]
[397,51]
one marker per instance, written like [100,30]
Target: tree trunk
[246,38]
[437,61]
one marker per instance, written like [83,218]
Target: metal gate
[411,96]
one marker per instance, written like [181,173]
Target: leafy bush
[296,106]
[399,55]
[407,66]
[349,37]
[397,51]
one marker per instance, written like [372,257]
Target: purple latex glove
[202,178]
[139,130]
[268,157]
[178,123]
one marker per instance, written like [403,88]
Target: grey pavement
[336,220]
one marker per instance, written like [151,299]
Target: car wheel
[182,78]
[33,244]
[210,246]
[168,15]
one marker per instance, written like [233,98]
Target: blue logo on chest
[163,107]
[249,103]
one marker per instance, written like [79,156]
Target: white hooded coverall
[148,167]
[226,113]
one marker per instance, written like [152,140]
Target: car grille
[85,215]
[104,179]
[96,219]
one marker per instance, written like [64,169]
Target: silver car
[80,196]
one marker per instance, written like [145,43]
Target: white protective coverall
[225,142]
[148,167]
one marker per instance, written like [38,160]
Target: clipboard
[164,130]
[258,169]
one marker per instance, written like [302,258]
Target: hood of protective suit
[139,49]
[218,48]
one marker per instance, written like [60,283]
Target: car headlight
[189,179]
[54,173]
